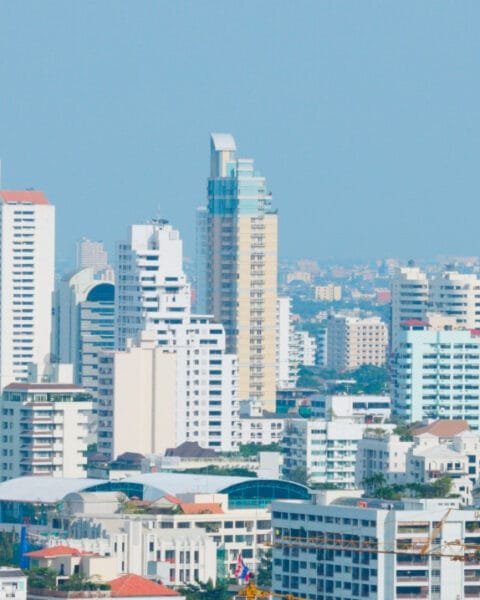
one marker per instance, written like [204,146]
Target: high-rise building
[287,362]
[353,341]
[83,323]
[242,266]
[320,548]
[410,293]
[201,260]
[436,374]
[91,254]
[27,249]
[153,296]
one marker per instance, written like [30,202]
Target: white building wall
[27,247]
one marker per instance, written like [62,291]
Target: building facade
[91,254]
[436,374]
[84,323]
[27,228]
[410,296]
[353,342]
[316,549]
[242,267]
[46,430]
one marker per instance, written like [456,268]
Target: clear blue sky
[364,116]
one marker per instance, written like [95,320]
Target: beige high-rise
[242,266]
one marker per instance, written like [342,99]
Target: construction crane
[251,592]
[435,533]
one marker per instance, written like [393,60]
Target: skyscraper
[241,270]
[27,248]
[154,296]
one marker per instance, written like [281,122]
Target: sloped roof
[133,585]
[27,196]
[190,450]
[57,551]
[198,508]
[443,427]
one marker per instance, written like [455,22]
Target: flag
[242,571]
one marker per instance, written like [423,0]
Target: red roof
[28,196]
[57,551]
[172,499]
[134,585]
[414,323]
[198,508]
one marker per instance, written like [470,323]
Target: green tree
[207,591]
[264,571]
[42,578]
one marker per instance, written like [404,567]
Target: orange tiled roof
[192,508]
[444,427]
[30,196]
[134,585]
[57,551]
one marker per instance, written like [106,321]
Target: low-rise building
[13,584]
[328,293]
[364,408]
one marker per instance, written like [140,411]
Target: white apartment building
[258,426]
[13,584]
[154,297]
[364,408]
[201,260]
[353,341]
[45,430]
[380,451]
[91,254]
[287,360]
[436,375]
[323,450]
[410,295]
[315,549]
[27,231]
[457,295]
[305,348]
[328,293]
[84,322]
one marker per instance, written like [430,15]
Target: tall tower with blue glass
[241,266]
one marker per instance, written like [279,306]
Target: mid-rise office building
[436,374]
[46,429]
[27,231]
[353,341]
[242,267]
[320,548]
[154,299]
